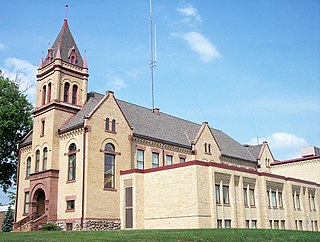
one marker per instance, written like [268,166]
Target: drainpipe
[18,175]
[85,130]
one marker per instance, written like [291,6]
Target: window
[140,159]
[182,159]
[129,209]
[44,94]
[109,166]
[226,195]
[268,197]
[49,92]
[169,159]
[209,148]
[107,123]
[294,202]
[66,92]
[274,199]
[227,223]
[298,201]
[270,223]
[276,224]
[26,203]
[283,224]
[69,226]
[71,205]
[43,125]
[300,225]
[219,224]
[155,160]
[245,198]
[28,166]
[45,158]
[254,224]
[247,224]
[113,125]
[205,147]
[218,194]
[296,222]
[316,225]
[37,161]
[251,197]
[280,200]
[74,94]
[312,203]
[72,162]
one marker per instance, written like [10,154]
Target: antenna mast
[153,63]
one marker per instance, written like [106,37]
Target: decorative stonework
[102,225]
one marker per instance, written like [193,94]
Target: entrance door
[40,203]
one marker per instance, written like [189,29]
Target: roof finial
[84,64]
[66,12]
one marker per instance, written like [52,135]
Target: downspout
[85,130]
[18,175]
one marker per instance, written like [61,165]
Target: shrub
[50,227]
[7,221]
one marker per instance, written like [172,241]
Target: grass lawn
[246,235]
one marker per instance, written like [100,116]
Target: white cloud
[2,47]
[202,46]
[115,82]
[190,14]
[134,73]
[24,73]
[282,140]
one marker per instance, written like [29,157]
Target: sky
[248,68]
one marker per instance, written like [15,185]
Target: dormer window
[72,56]
[49,57]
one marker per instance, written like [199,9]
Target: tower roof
[65,42]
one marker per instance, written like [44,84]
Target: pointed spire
[66,12]
[41,62]
[85,65]
[58,54]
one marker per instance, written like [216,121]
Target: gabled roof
[254,150]
[66,43]
[160,126]
[27,140]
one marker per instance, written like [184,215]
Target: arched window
[209,148]
[28,166]
[45,158]
[37,161]
[72,162]
[66,92]
[49,92]
[44,94]
[74,94]
[113,125]
[109,166]
[107,123]
[205,147]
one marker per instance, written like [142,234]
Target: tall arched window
[66,92]
[74,94]
[72,162]
[28,166]
[109,166]
[209,148]
[37,161]
[113,125]
[45,158]
[44,94]
[205,147]
[107,123]
[49,92]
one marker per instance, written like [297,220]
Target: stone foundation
[91,225]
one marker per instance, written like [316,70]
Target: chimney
[156,111]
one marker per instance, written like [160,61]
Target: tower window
[66,92]
[113,125]
[44,94]
[49,92]
[28,166]
[74,94]
[205,147]
[45,158]
[37,160]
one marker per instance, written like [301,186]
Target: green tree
[7,221]
[15,122]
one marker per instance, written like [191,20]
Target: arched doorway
[40,198]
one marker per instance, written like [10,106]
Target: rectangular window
[182,159]
[43,124]
[69,226]
[251,197]
[71,205]
[276,224]
[140,159]
[247,224]
[217,194]
[300,225]
[72,167]
[227,224]
[26,203]
[270,223]
[245,197]
[280,200]
[283,224]
[274,199]
[316,225]
[226,195]
[37,161]
[254,224]
[169,160]
[155,160]
[312,204]
[129,204]
[296,222]
[268,198]
[219,224]
[297,201]
[294,202]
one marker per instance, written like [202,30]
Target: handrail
[27,219]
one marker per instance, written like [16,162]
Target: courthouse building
[95,162]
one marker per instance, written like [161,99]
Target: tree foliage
[7,221]
[15,122]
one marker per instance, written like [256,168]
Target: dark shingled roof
[254,150]
[163,127]
[27,140]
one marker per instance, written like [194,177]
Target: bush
[50,227]
[7,221]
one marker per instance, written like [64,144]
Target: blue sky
[249,68]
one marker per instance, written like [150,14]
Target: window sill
[41,135]
[219,204]
[70,181]
[25,214]
[253,206]
[27,178]
[70,210]
[110,131]
[227,204]
[207,153]
[110,189]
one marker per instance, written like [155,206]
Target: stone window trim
[153,150]
[71,152]
[168,153]
[70,198]
[110,131]
[110,152]
[110,189]
[182,156]
[71,181]
[139,147]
